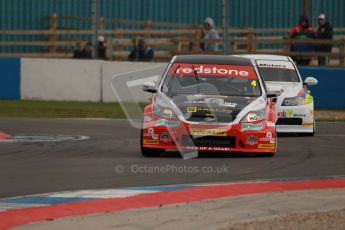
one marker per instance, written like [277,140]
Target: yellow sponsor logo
[308,123]
[308,99]
[266,146]
[151,142]
[208,132]
[191,109]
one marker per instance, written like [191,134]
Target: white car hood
[291,89]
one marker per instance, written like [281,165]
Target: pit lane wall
[89,80]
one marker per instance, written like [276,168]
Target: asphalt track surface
[111,159]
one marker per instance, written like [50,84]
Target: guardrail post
[147,28]
[251,43]
[52,29]
[342,52]
[197,37]
[231,46]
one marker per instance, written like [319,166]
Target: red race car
[210,103]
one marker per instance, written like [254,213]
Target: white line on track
[330,135]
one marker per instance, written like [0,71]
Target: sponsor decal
[270,124]
[275,64]
[206,109]
[268,138]
[308,123]
[266,146]
[285,113]
[290,113]
[191,109]
[208,148]
[208,132]
[212,101]
[308,99]
[151,133]
[165,137]
[247,126]
[167,113]
[166,123]
[299,115]
[219,101]
[213,70]
[150,142]
[252,117]
[252,140]
[209,119]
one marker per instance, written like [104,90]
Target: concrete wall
[88,80]
[131,71]
[60,79]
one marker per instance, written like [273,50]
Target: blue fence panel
[330,91]
[10,78]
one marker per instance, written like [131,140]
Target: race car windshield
[212,79]
[280,71]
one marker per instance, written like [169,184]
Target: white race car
[295,106]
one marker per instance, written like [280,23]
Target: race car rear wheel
[149,152]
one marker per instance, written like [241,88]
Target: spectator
[81,51]
[325,31]
[302,31]
[209,33]
[78,52]
[101,47]
[88,50]
[141,52]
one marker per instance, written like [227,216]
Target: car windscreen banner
[275,64]
[184,69]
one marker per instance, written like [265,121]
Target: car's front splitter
[258,137]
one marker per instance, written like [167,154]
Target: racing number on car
[253,83]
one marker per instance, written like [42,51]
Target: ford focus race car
[209,103]
[295,106]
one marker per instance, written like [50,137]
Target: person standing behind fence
[209,33]
[302,31]
[141,52]
[101,47]
[325,31]
[81,51]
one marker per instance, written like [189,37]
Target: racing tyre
[149,152]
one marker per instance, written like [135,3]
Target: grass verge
[72,109]
[60,109]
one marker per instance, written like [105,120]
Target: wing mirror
[274,91]
[149,87]
[310,81]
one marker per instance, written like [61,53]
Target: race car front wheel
[149,152]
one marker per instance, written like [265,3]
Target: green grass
[60,109]
[72,109]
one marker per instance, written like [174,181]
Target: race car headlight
[164,112]
[255,116]
[293,101]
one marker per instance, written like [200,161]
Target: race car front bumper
[295,119]
[258,137]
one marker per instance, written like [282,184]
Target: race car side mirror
[274,91]
[310,81]
[149,87]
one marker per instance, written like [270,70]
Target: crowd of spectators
[304,30]
[208,36]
